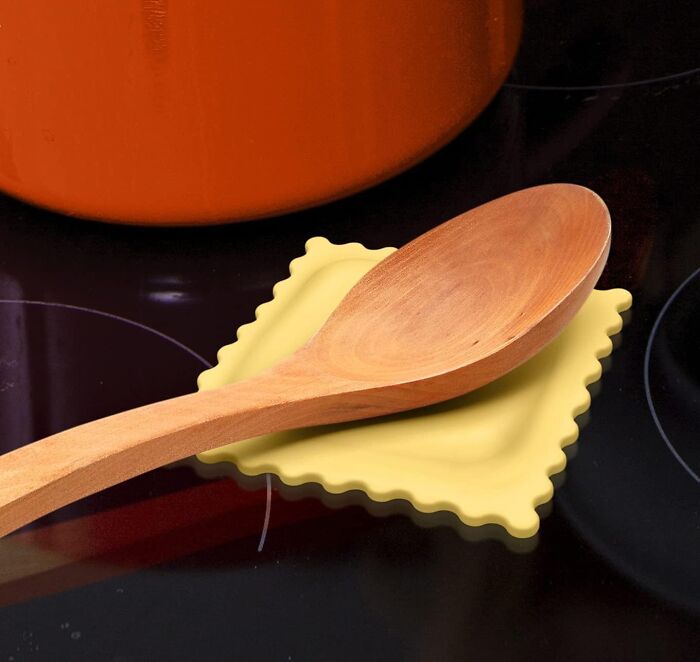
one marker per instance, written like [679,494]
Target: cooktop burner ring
[603,86]
[164,336]
[112,316]
[647,382]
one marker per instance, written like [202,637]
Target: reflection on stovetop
[315,491]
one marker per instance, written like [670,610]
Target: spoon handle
[57,470]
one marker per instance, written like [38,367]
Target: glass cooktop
[185,564]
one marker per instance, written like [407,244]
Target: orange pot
[197,111]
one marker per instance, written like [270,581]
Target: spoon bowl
[451,311]
[474,297]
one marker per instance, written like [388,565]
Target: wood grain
[451,311]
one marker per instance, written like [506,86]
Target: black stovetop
[172,565]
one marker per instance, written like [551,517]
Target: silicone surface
[486,456]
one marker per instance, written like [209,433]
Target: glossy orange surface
[189,111]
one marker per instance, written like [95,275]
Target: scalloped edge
[301,267]
[520,523]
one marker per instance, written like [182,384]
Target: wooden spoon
[454,309]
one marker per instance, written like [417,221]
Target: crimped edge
[301,268]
